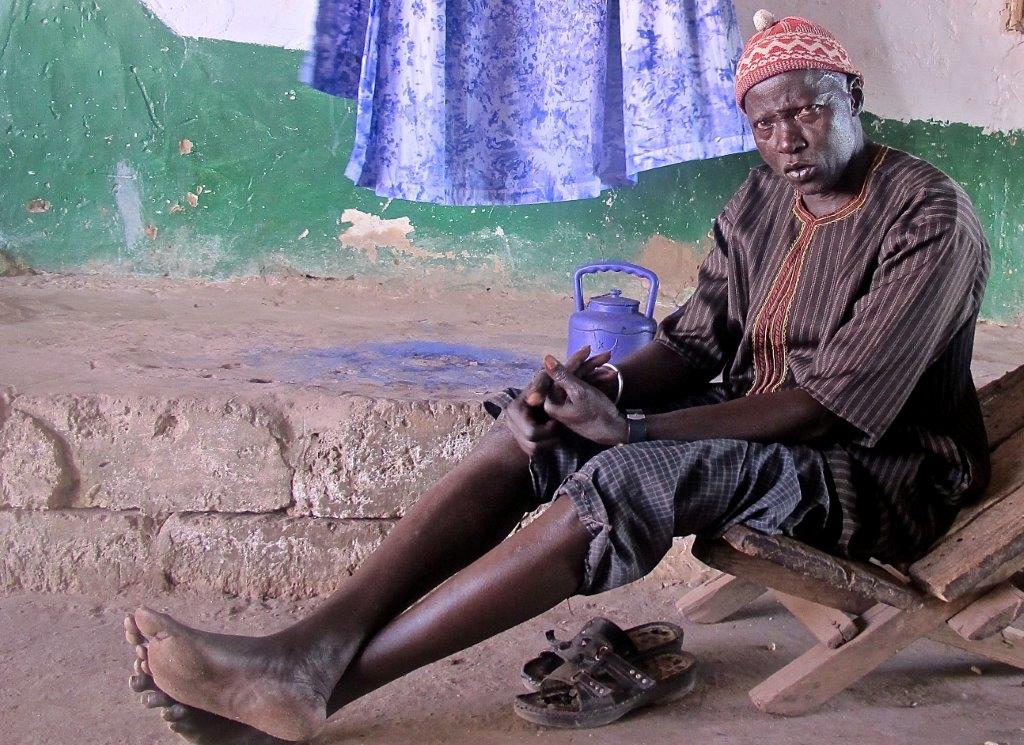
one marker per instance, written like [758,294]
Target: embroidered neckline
[805,216]
[768,334]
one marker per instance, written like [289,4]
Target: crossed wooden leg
[849,646]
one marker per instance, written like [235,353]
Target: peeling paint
[128,198]
[368,232]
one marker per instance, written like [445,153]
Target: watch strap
[636,426]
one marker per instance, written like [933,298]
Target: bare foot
[194,725]
[263,682]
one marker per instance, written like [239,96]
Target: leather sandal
[631,644]
[595,686]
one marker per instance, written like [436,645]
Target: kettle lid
[613,302]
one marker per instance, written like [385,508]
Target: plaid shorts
[635,498]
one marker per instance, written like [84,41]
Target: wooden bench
[965,593]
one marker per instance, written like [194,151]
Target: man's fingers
[541,383]
[559,373]
[577,358]
[602,373]
[534,392]
[530,427]
[555,409]
[591,365]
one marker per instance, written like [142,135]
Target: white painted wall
[276,23]
[947,60]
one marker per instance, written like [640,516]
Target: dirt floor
[64,665]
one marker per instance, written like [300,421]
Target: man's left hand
[582,408]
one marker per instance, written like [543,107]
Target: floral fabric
[524,101]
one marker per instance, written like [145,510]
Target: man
[839,302]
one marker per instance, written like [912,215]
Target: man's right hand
[531,427]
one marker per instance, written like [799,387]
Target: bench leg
[831,627]
[1006,647]
[820,673]
[718,598]
[992,612]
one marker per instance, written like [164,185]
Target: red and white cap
[790,44]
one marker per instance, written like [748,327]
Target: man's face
[805,126]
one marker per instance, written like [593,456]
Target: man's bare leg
[519,579]
[281,683]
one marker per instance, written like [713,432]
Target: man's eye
[763,126]
[809,111]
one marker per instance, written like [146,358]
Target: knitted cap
[790,44]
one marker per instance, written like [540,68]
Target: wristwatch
[636,426]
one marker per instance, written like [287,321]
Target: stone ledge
[346,456]
[376,461]
[264,555]
[87,551]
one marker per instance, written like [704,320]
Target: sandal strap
[596,633]
[627,674]
[602,671]
[586,685]
[610,633]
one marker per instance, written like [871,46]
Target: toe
[141,652]
[140,683]
[131,631]
[153,625]
[157,700]
[175,713]
[187,732]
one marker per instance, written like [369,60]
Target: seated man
[839,302]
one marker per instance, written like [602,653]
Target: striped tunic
[871,311]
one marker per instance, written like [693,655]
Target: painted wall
[941,60]
[95,98]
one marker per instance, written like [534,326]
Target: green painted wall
[95,96]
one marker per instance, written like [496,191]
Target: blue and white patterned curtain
[524,101]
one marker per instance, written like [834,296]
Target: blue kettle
[612,322]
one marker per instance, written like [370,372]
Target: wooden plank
[718,598]
[820,577]
[953,566]
[990,614]
[1006,647]
[1013,636]
[831,627]
[1007,476]
[975,552]
[1002,406]
[721,555]
[820,673]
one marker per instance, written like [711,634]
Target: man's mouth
[799,172]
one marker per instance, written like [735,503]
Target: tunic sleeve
[699,330]
[926,286]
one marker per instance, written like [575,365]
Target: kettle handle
[618,266]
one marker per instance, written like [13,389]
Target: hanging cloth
[525,101]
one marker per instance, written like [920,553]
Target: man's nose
[790,138]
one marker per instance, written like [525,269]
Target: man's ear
[855,87]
